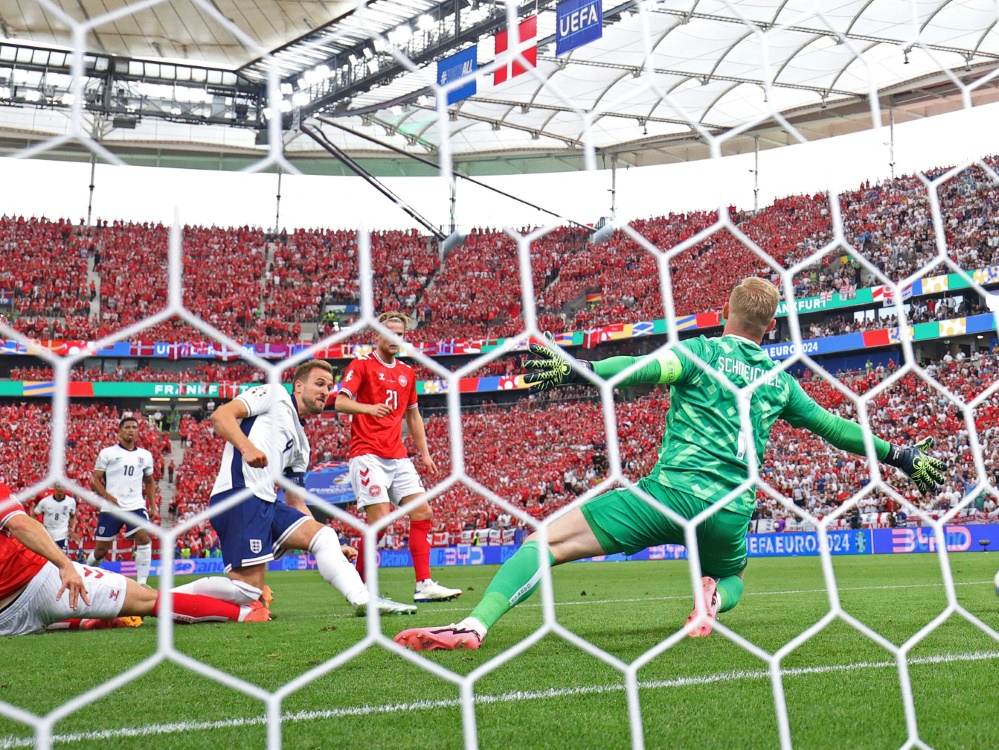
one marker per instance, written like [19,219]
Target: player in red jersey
[40,588]
[378,390]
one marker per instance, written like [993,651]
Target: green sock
[730,590]
[514,582]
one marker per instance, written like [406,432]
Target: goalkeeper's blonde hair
[395,315]
[754,302]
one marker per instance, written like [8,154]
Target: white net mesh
[650,86]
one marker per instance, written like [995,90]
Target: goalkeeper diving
[702,461]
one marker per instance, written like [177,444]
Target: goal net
[899,267]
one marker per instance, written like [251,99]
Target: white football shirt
[55,515]
[274,427]
[124,471]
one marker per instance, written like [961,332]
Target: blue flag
[461,65]
[578,22]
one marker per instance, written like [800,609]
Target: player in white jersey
[264,434]
[58,512]
[123,476]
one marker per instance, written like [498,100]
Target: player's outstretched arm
[926,471]
[551,367]
[33,535]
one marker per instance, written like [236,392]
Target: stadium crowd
[284,281]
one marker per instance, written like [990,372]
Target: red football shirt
[18,564]
[368,380]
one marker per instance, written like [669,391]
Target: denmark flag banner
[528,49]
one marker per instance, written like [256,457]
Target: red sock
[360,556]
[75,623]
[192,608]
[359,562]
[419,547]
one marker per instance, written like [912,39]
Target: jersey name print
[701,406]
[368,380]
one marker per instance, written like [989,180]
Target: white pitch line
[794,592]
[148,730]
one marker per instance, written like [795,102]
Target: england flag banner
[578,22]
[462,65]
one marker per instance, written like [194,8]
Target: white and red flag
[527,48]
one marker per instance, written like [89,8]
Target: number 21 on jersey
[392,399]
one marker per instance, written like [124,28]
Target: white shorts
[37,606]
[383,480]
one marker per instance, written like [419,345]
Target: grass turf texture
[700,693]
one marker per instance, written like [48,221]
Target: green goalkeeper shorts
[624,522]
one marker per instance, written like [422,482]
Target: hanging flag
[461,65]
[528,49]
[578,22]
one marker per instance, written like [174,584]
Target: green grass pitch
[842,689]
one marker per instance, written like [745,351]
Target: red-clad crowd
[43,268]
[258,288]
[222,269]
[234,372]
[26,444]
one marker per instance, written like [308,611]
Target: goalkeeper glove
[552,367]
[922,468]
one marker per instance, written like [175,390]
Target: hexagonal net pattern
[763,60]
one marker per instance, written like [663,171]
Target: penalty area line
[149,730]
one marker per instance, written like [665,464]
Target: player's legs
[323,543]
[140,601]
[100,551]
[142,551]
[236,588]
[617,521]
[108,527]
[370,480]
[189,608]
[37,607]
[721,545]
[372,513]
[569,538]
[244,533]
[421,523]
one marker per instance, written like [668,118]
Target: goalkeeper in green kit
[702,460]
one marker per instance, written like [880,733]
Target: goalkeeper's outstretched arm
[552,368]
[926,471]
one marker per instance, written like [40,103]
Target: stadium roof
[713,66]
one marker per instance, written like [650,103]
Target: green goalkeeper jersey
[703,451]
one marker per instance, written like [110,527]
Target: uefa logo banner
[578,22]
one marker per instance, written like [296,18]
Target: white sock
[143,560]
[220,587]
[335,569]
[91,560]
[470,623]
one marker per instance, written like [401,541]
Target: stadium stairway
[94,278]
[167,490]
